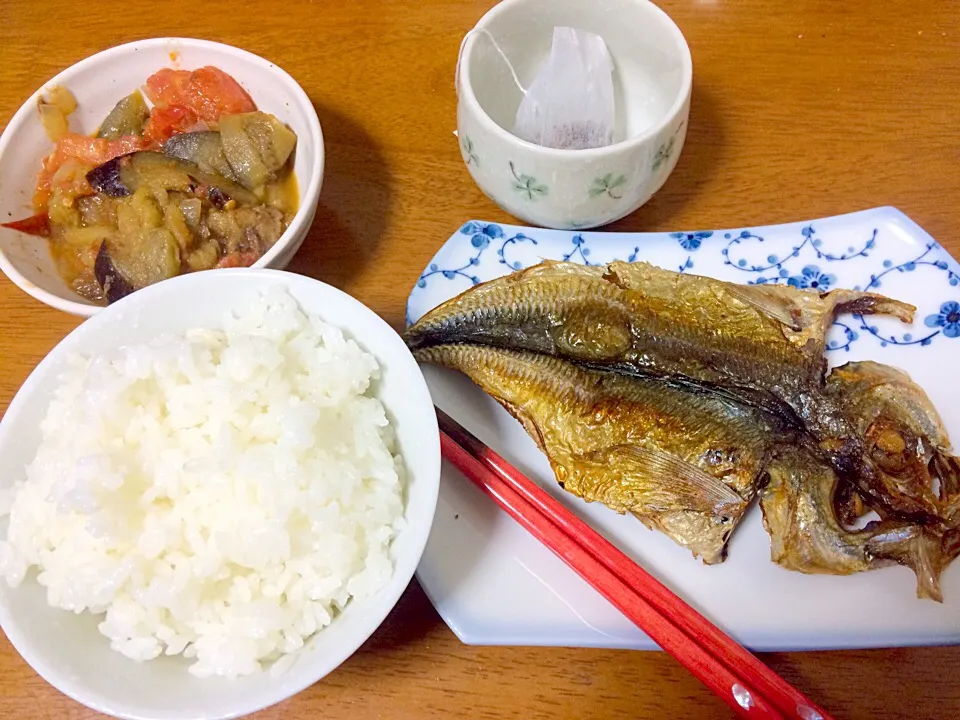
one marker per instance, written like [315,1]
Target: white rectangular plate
[494,584]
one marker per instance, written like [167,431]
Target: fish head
[559,309]
[797,504]
[807,535]
[904,438]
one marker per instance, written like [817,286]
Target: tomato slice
[96,151]
[88,150]
[207,91]
[167,87]
[212,93]
[165,122]
[239,258]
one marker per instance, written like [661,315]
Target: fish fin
[778,305]
[799,309]
[946,468]
[915,548]
[697,489]
[556,268]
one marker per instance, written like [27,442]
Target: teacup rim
[466,94]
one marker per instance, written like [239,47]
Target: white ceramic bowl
[98,82]
[574,188]
[68,651]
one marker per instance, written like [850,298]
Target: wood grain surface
[800,109]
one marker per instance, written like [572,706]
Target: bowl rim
[428,447]
[466,94]
[308,197]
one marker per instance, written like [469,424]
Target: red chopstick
[748,686]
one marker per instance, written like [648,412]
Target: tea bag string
[496,46]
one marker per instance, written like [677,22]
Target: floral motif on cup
[527,185]
[608,185]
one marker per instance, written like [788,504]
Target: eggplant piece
[218,199]
[257,145]
[134,261]
[128,117]
[203,149]
[122,176]
[109,178]
[111,281]
[192,211]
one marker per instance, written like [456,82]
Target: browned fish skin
[685,462]
[688,463]
[639,318]
[763,344]
[582,316]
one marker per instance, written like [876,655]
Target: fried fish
[681,460]
[633,379]
[763,345]
[766,342]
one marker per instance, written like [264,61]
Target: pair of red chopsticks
[747,685]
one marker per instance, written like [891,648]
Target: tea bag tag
[570,104]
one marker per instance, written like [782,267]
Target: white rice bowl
[220,494]
[216,495]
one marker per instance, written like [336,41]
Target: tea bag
[570,103]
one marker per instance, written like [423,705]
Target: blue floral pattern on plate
[812,278]
[948,318]
[878,250]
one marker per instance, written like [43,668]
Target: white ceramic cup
[573,188]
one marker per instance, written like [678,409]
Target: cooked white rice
[218,494]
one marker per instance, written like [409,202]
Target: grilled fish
[763,345]
[683,461]
[767,342]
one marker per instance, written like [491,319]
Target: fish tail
[861,303]
[927,571]
[924,552]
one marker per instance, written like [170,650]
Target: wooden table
[800,110]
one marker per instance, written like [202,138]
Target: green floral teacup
[558,188]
